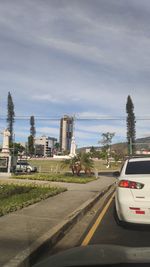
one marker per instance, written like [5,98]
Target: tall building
[44,146]
[66,133]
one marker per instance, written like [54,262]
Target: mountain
[141,143]
[143,140]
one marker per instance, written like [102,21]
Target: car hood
[96,255]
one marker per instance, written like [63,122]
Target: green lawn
[101,166]
[14,196]
[64,177]
[55,166]
[48,165]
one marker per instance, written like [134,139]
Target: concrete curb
[49,239]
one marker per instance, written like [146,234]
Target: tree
[71,163]
[32,128]
[94,153]
[86,162]
[120,149]
[103,154]
[10,116]
[106,142]
[31,137]
[81,161]
[56,148]
[31,145]
[17,148]
[118,154]
[131,131]
[92,150]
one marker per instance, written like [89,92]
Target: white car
[24,166]
[132,199]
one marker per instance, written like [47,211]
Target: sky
[75,57]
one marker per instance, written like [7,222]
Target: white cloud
[76,57]
[47,131]
[48,98]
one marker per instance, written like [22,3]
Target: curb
[50,238]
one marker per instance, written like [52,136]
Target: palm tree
[86,163]
[71,163]
[81,161]
[56,147]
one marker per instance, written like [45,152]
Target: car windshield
[138,167]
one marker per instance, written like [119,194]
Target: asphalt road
[108,232]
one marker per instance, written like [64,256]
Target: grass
[54,166]
[48,165]
[14,197]
[101,166]
[65,177]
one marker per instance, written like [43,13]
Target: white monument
[5,147]
[72,153]
[5,157]
[73,148]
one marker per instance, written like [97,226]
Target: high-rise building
[66,133]
[44,146]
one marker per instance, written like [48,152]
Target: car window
[138,167]
[23,163]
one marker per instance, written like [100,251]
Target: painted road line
[98,221]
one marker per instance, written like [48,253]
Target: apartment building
[44,146]
[66,133]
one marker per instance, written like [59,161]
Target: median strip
[55,234]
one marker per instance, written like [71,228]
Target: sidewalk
[18,230]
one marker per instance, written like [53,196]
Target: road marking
[98,221]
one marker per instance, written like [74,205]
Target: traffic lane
[109,232]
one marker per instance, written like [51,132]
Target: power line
[78,118]
[108,119]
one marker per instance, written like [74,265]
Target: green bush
[53,177]
[14,197]
[9,190]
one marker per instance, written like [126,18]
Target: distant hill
[141,143]
[85,148]
[122,147]
[143,140]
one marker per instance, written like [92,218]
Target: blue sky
[81,57]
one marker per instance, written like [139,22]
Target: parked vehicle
[24,166]
[132,199]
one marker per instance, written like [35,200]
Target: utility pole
[13,146]
[130,147]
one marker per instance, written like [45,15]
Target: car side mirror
[116,174]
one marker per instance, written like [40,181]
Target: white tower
[73,143]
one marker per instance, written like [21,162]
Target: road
[101,229]
[108,232]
